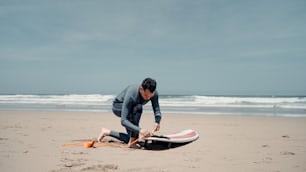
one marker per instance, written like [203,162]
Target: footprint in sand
[286,136]
[287,153]
[2,140]
[99,167]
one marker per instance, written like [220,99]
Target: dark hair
[149,83]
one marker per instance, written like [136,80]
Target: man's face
[146,94]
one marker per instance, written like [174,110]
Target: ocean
[291,106]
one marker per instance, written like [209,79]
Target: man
[128,105]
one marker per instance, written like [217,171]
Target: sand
[31,142]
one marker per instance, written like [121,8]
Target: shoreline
[226,143]
[146,111]
[175,104]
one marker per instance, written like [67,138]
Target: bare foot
[104,132]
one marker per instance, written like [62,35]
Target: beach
[31,141]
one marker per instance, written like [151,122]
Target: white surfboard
[183,136]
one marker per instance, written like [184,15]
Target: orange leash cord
[93,144]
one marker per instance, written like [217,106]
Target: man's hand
[156,127]
[145,133]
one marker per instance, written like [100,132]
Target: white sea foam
[74,99]
[177,104]
[221,101]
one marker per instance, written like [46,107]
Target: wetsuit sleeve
[126,110]
[156,109]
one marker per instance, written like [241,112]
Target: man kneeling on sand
[128,105]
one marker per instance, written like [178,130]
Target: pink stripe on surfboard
[188,135]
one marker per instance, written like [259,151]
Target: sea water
[293,106]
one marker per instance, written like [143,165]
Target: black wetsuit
[128,105]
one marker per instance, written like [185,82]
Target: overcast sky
[208,47]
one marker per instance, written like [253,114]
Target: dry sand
[31,142]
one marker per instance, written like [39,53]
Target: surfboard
[155,142]
[178,138]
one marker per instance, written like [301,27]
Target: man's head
[147,88]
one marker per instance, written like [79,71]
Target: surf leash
[93,144]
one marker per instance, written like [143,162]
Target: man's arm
[156,109]
[126,107]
